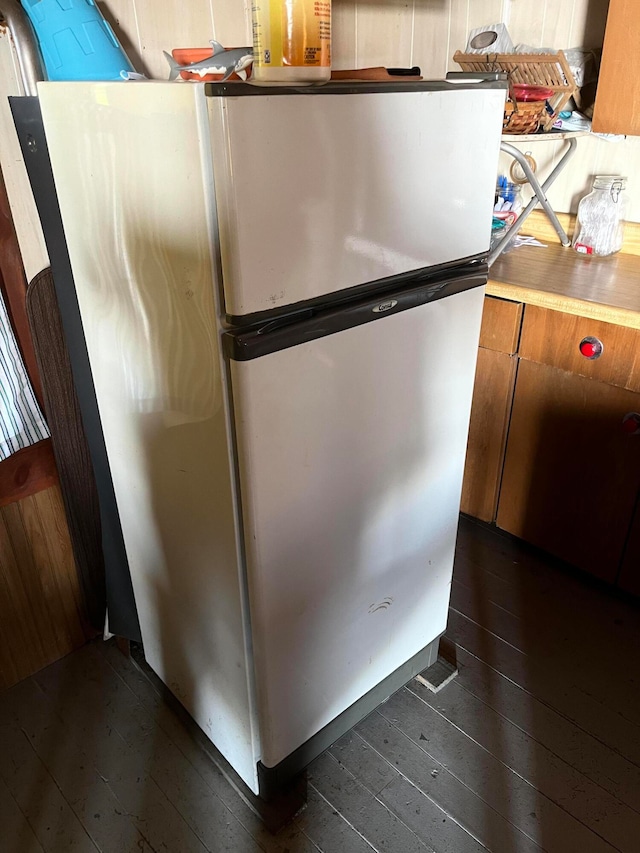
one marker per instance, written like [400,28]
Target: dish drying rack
[550,70]
[536,69]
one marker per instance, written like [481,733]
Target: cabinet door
[492,395]
[617,108]
[629,578]
[501,322]
[571,476]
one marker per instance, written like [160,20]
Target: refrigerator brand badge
[385,306]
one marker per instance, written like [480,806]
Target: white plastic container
[601,214]
[291,42]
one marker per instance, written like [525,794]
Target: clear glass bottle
[291,42]
[601,214]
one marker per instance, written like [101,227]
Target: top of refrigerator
[353,87]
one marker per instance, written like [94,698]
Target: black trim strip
[348,294]
[345,87]
[272,780]
[284,332]
[123,614]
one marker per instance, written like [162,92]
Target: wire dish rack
[535,69]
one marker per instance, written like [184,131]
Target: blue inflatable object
[76,41]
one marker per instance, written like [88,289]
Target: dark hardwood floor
[534,746]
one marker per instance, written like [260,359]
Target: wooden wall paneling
[545,154]
[20,635]
[576,179]
[526,23]
[492,395]
[25,215]
[622,158]
[588,22]
[48,507]
[383,33]
[556,27]
[501,321]
[232,23]
[629,578]
[39,597]
[189,25]
[343,34]
[47,536]
[483,12]
[458,30]
[26,535]
[553,337]
[431,38]
[21,648]
[570,478]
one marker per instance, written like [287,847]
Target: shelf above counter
[552,136]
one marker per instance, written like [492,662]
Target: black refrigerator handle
[285,332]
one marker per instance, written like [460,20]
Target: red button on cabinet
[591,347]
[631,423]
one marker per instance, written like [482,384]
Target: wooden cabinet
[617,107]
[554,338]
[571,473]
[493,392]
[501,321]
[548,458]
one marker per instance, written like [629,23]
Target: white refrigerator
[281,294]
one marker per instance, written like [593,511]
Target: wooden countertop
[600,288]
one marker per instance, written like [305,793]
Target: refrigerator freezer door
[316,194]
[351,452]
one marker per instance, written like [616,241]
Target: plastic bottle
[76,41]
[291,42]
[600,220]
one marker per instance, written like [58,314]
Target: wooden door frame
[33,468]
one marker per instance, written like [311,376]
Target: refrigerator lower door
[351,450]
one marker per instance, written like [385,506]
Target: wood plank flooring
[535,746]
[42,613]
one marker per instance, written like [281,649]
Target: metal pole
[539,197]
[26,45]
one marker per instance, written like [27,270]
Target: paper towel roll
[492,38]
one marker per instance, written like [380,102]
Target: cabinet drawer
[554,338]
[501,321]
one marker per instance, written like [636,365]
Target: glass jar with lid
[601,214]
